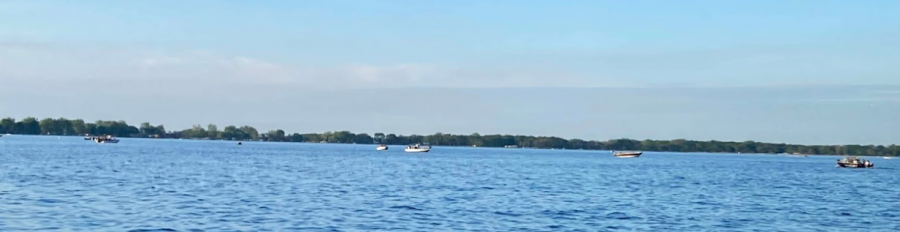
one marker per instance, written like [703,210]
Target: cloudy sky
[812,72]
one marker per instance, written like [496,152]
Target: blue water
[65,183]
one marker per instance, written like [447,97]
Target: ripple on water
[153,230]
[406,207]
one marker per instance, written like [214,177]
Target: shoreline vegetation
[78,127]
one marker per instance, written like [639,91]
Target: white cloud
[183,71]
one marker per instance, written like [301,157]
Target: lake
[65,183]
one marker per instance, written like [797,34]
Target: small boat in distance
[107,139]
[418,148]
[627,154]
[854,162]
[381,147]
[888,157]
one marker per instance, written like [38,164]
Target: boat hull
[628,154]
[381,148]
[859,165]
[107,141]
[414,150]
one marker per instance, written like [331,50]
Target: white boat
[418,148]
[627,154]
[888,157]
[107,139]
[381,147]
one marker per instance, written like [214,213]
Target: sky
[809,72]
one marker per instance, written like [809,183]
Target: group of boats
[419,148]
[102,139]
[847,162]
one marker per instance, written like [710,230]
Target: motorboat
[627,154]
[854,162]
[418,148]
[381,147]
[107,139]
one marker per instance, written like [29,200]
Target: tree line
[62,126]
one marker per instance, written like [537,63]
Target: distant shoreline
[499,148]
[78,127]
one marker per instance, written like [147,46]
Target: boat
[381,147]
[888,157]
[627,154]
[854,162]
[418,148]
[107,139]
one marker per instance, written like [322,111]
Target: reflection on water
[50,183]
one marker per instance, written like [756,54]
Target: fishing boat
[415,148]
[854,162]
[627,154]
[381,147]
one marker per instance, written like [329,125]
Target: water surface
[65,183]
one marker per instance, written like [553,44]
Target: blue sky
[132,51]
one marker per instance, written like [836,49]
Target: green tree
[196,132]
[147,129]
[48,126]
[311,137]
[28,126]
[251,132]
[233,133]
[64,126]
[379,138]
[78,127]
[362,139]
[212,131]
[296,137]
[276,135]
[8,125]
